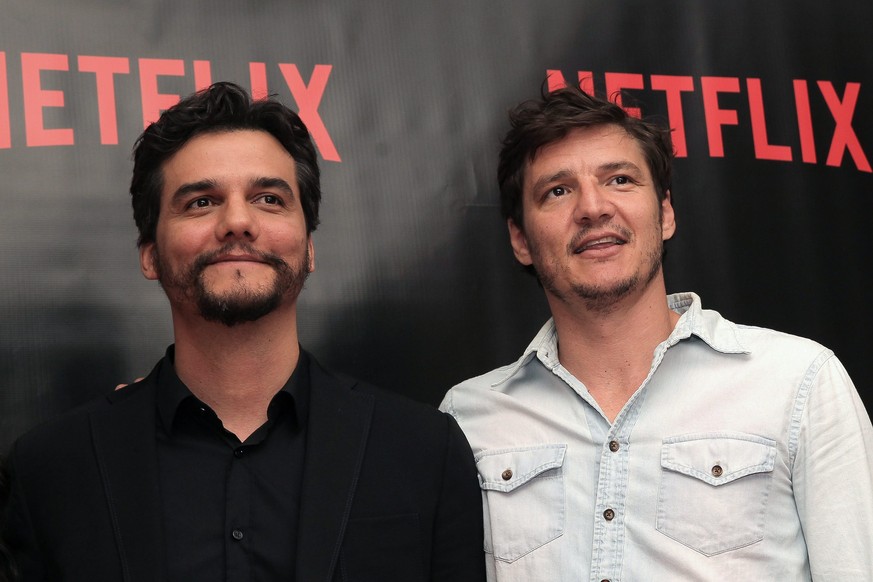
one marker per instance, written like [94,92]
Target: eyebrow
[557,176]
[190,187]
[272,182]
[210,184]
[620,165]
[563,174]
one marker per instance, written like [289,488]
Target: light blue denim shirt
[746,454]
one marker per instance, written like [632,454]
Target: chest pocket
[523,497]
[714,489]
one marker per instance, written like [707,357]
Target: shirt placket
[611,504]
[238,531]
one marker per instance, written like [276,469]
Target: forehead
[228,156]
[586,149]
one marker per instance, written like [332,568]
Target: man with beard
[239,457]
[644,438]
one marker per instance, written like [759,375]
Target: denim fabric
[526,482]
[745,454]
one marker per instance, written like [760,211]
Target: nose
[593,204]
[237,220]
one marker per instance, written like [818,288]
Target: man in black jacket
[239,457]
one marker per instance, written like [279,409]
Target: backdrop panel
[415,287]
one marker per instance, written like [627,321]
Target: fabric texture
[745,454]
[389,491]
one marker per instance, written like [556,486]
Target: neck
[610,351]
[237,370]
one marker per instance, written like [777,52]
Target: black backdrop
[415,287]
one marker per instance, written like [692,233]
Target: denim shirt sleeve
[833,475]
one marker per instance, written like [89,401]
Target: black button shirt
[230,508]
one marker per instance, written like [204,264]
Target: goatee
[242,303]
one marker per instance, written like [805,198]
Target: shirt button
[609,515]
[613,446]
[717,471]
[237,534]
[238,452]
[507,475]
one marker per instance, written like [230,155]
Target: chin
[233,309]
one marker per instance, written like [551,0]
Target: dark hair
[539,122]
[220,107]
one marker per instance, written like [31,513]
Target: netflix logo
[844,148]
[40,98]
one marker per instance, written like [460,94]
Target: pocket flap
[506,469]
[718,458]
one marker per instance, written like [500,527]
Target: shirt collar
[172,391]
[718,333]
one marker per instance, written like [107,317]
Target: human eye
[622,180]
[556,192]
[270,199]
[199,203]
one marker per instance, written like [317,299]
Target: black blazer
[389,492]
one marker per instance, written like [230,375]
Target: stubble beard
[602,298]
[241,304]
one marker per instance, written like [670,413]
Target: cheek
[550,238]
[547,250]
[187,235]
[179,252]
[283,243]
[295,240]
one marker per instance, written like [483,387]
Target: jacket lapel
[125,445]
[339,423]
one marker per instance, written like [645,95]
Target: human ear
[148,262]
[518,240]
[668,218]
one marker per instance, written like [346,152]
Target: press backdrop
[415,288]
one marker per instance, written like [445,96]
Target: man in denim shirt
[639,438]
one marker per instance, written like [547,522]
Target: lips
[597,242]
[235,259]
[237,253]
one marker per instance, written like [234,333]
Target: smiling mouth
[599,243]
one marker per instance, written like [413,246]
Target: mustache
[205,259]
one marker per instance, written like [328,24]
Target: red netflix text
[840,106]
[39,99]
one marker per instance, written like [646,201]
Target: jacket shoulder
[70,431]
[392,413]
